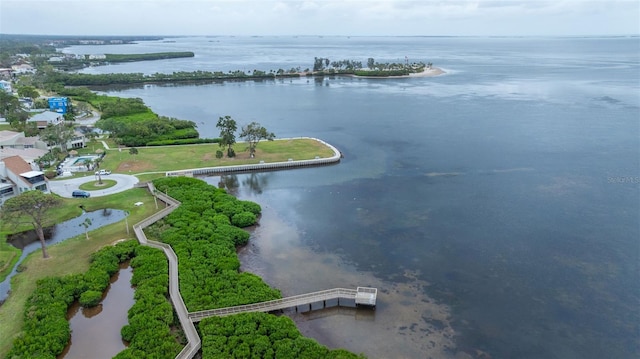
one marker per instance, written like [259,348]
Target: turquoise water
[496,208]
[82,159]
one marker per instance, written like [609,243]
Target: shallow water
[28,241]
[500,201]
[95,332]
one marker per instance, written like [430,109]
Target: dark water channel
[28,241]
[95,332]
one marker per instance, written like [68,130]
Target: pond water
[95,332]
[28,241]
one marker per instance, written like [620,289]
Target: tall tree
[133,151]
[31,207]
[86,224]
[11,109]
[58,135]
[28,91]
[228,128]
[253,133]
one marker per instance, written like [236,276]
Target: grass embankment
[70,256]
[9,255]
[173,158]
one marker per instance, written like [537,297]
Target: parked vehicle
[103,172]
[81,194]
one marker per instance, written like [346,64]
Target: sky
[321,17]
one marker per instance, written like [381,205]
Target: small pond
[28,241]
[95,332]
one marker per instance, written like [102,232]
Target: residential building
[59,104]
[17,176]
[23,69]
[6,86]
[47,118]
[17,140]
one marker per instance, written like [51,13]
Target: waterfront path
[361,295]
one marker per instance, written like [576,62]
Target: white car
[103,172]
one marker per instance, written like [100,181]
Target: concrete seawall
[262,166]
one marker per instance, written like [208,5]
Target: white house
[6,86]
[23,69]
[17,176]
[17,140]
[47,118]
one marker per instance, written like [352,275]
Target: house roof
[17,165]
[7,135]
[27,140]
[49,116]
[27,154]
[31,174]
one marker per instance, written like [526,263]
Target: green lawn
[95,185]
[70,256]
[9,255]
[172,158]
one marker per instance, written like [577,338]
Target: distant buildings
[59,104]
[45,118]
[6,86]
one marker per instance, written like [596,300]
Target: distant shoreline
[432,72]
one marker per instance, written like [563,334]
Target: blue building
[59,104]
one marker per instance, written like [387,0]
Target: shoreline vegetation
[75,79]
[124,119]
[322,67]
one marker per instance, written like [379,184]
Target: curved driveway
[64,188]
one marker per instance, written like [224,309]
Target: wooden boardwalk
[361,295]
[294,301]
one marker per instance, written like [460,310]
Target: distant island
[322,67]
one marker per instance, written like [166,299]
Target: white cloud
[320,17]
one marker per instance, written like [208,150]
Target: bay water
[496,207]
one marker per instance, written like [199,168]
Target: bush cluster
[203,233]
[151,316]
[46,330]
[184,141]
[260,335]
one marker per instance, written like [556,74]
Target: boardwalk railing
[188,327]
[187,319]
[261,166]
[272,305]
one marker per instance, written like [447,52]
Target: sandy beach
[434,71]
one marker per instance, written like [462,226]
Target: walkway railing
[193,344]
[277,304]
[187,319]
[262,166]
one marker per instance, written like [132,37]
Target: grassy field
[94,186]
[171,158]
[70,256]
[9,255]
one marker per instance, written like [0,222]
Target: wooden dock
[361,296]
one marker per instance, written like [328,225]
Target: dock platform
[362,296]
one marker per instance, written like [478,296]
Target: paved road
[64,188]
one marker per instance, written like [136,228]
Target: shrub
[219,154]
[90,298]
[243,219]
